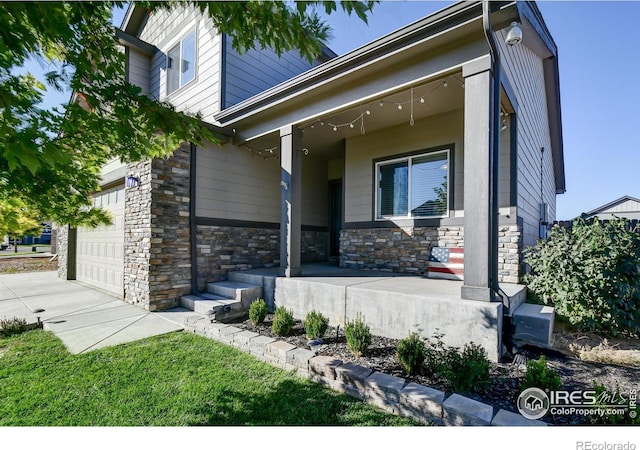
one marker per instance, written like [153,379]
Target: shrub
[463,371]
[282,321]
[315,325]
[258,311]
[358,336]
[9,327]
[411,353]
[591,275]
[540,375]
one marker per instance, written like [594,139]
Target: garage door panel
[100,255]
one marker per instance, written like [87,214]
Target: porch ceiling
[323,136]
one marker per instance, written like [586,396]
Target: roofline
[129,40]
[436,22]
[613,203]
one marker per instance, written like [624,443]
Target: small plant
[411,353]
[9,327]
[258,311]
[358,336]
[282,321]
[540,375]
[315,325]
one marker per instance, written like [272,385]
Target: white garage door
[100,251]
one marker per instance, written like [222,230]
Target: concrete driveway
[83,318]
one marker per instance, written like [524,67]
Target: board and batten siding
[233,184]
[427,133]
[139,66]
[524,69]
[166,28]
[254,71]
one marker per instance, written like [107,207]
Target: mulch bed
[503,391]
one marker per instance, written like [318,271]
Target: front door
[335,216]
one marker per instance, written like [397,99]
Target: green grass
[174,380]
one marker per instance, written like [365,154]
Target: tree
[52,159]
[18,219]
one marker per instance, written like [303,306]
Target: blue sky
[599,58]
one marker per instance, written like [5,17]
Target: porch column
[478,180]
[290,205]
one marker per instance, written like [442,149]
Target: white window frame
[179,44]
[409,159]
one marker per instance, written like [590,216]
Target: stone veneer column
[509,253]
[157,264]
[62,249]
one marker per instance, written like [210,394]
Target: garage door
[100,251]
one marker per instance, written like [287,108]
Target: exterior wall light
[514,35]
[132,182]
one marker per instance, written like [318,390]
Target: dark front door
[335,216]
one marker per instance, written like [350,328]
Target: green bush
[410,353]
[591,275]
[358,336]
[258,311]
[540,375]
[9,327]
[282,321]
[462,371]
[315,325]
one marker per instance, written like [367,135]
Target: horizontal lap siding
[525,73]
[139,69]
[362,150]
[164,29]
[257,70]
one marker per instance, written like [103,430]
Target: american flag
[446,262]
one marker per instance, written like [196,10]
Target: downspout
[192,219]
[494,144]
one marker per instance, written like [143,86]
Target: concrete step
[244,292]
[244,277]
[213,306]
[533,324]
[513,295]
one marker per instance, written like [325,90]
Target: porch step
[532,324]
[244,292]
[244,277]
[215,307]
[446,263]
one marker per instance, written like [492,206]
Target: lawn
[175,380]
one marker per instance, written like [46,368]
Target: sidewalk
[83,318]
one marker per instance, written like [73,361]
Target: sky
[599,59]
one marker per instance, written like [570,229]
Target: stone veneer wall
[157,260]
[62,249]
[221,249]
[396,250]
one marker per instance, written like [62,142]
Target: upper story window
[181,63]
[413,187]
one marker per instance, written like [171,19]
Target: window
[181,63]
[413,187]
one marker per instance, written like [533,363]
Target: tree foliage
[18,219]
[52,158]
[591,274]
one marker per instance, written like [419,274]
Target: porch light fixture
[132,182]
[514,35]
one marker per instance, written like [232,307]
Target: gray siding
[362,150]
[139,69]
[164,29]
[257,70]
[525,73]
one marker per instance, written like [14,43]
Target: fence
[632,225]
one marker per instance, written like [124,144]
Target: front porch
[392,304]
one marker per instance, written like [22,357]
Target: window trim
[179,43]
[409,157]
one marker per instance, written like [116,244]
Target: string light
[267,153]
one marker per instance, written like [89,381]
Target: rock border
[390,393]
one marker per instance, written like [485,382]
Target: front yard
[177,379]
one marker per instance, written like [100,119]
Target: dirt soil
[576,374]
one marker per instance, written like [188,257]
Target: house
[371,159]
[626,207]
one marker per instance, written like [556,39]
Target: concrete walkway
[83,318]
